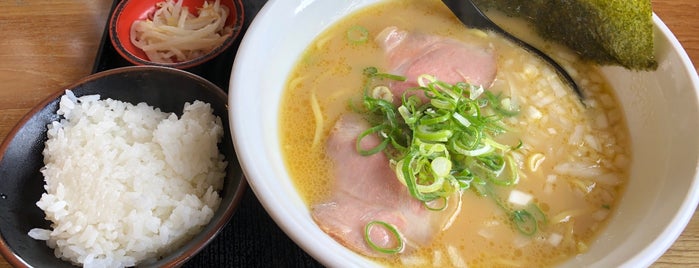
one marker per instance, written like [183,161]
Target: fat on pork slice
[365,188]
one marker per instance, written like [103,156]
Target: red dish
[128,11]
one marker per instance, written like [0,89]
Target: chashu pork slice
[366,189]
[413,54]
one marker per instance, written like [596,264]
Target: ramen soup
[560,161]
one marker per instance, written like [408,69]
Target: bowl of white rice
[133,166]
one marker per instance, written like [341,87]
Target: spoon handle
[471,16]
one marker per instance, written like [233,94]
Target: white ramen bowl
[662,110]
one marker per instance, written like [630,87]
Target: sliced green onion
[485,149]
[466,140]
[497,105]
[357,34]
[441,166]
[410,180]
[425,79]
[435,117]
[405,173]
[447,143]
[435,186]
[442,201]
[518,146]
[429,134]
[392,229]
[380,147]
[373,72]
[525,222]
[494,162]
[461,119]
[475,92]
[383,93]
[432,150]
[497,145]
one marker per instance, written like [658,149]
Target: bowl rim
[292,228]
[125,53]
[209,231]
[686,210]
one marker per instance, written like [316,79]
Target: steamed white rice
[127,183]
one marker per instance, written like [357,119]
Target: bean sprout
[173,34]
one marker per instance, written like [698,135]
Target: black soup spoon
[471,16]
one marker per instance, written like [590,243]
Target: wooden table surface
[49,44]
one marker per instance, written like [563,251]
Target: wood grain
[49,44]
[46,45]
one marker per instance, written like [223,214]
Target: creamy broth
[574,159]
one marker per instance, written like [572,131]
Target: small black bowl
[21,182]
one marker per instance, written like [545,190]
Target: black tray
[251,238]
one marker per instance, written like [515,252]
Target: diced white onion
[555,239]
[558,89]
[565,216]
[437,259]
[593,143]
[548,188]
[608,179]
[601,121]
[534,113]
[550,181]
[577,135]
[577,169]
[600,214]
[544,101]
[519,198]
[535,161]
[455,257]
[413,261]
[486,233]
[530,71]
[521,241]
